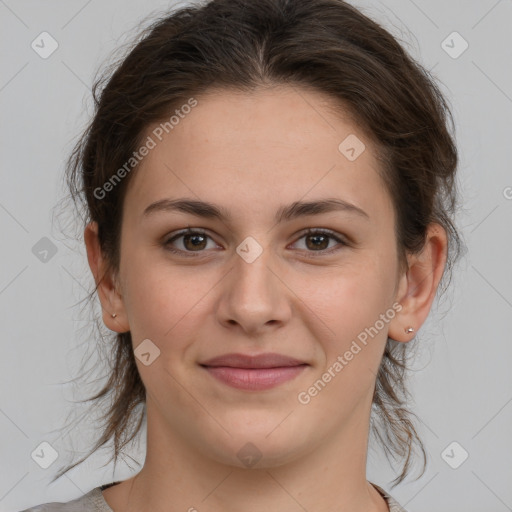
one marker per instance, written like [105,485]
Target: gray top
[93,501]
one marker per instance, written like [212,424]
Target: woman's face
[254,281]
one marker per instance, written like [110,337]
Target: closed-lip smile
[254,372]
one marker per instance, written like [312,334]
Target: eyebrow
[284,213]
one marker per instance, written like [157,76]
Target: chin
[259,448]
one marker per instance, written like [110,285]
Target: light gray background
[462,383]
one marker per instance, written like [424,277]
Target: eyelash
[309,232]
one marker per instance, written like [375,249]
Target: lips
[254,373]
[267,360]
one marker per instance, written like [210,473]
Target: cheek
[160,300]
[352,298]
[351,304]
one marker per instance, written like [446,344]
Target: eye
[193,240]
[317,240]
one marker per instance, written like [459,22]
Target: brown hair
[326,45]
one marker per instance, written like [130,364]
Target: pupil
[317,237]
[194,239]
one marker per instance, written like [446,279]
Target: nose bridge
[255,295]
[252,276]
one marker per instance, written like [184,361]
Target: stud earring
[408,330]
[113,315]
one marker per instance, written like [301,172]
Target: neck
[177,476]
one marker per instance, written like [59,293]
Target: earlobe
[418,285]
[111,300]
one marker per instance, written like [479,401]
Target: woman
[269,190]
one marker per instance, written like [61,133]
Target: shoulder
[393,505]
[91,502]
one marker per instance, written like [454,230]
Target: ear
[418,285]
[106,283]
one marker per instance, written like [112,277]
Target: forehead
[262,147]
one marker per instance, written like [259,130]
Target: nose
[254,296]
